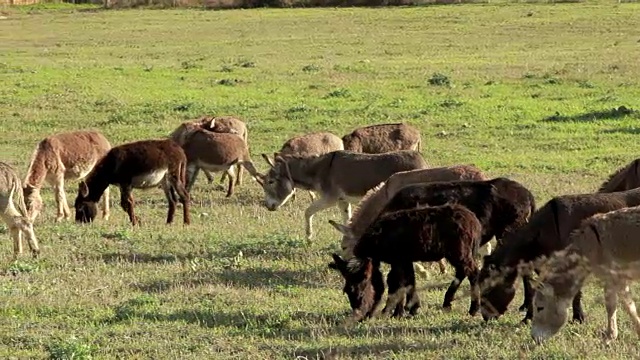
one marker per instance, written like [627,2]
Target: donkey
[376,139]
[63,157]
[14,211]
[625,178]
[140,165]
[216,152]
[226,124]
[338,177]
[315,143]
[547,231]
[605,245]
[377,198]
[401,238]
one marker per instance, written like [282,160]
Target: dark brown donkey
[547,231]
[141,165]
[401,238]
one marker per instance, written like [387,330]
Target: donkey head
[550,313]
[278,185]
[33,201]
[86,210]
[498,289]
[348,238]
[364,284]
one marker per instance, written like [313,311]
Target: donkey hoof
[578,317]
[446,308]
[473,310]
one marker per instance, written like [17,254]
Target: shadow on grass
[615,113]
[142,258]
[625,130]
[277,280]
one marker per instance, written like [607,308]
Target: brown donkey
[68,156]
[401,238]
[141,165]
[14,211]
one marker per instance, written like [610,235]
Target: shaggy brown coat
[68,156]
[401,238]
[625,178]
[215,152]
[14,211]
[140,165]
[606,245]
[376,139]
[377,198]
[547,231]
[231,125]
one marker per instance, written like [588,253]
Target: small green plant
[311,68]
[70,349]
[339,93]
[18,267]
[438,79]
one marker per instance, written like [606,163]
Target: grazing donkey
[401,238]
[547,231]
[14,211]
[625,178]
[63,157]
[231,125]
[216,152]
[338,177]
[316,143]
[223,124]
[376,199]
[140,165]
[606,245]
[377,139]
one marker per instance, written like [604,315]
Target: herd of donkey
[407,213]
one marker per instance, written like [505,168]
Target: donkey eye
[539,308]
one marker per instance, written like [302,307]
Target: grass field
[531,93]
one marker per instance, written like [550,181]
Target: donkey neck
[305,172]
[37,172]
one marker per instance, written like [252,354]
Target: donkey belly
[79,170]
[149,179]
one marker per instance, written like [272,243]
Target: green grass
[521,90]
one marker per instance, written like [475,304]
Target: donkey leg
[185,199]
[443,266]
[126,201]
[345,209]
[578,313]
[192,174]
[210,178]
[630,307]
[171,200]
[26,230]
[611,302]
[239,171]
[105,204]
[61,199]
[16,235]
[413,301]
[472,273]
[528,293]
[316,206]
[396,281]
[230,175]
[453,287]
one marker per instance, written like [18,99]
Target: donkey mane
[617,178]
[368,209]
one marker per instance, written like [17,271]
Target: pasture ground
[531,93]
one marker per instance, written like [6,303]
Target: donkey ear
[338,263]
[268,160]
[83,189]
[344,230]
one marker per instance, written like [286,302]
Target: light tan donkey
[59,158]
[605,245]
[14,211]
